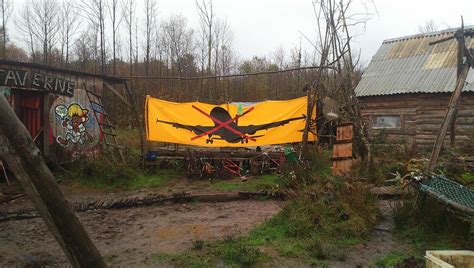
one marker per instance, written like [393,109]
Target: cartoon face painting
[73,119]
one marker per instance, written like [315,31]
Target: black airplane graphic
[232,132]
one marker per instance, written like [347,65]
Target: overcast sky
[262,26]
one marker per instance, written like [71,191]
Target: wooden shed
[405,90]
[62,109]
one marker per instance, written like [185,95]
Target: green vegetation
[467,178]
[319,224]
[238,252]
[391,260]
[233,252]
[324,216]
[100,173]
[253,184]
[429,226]
[186,259]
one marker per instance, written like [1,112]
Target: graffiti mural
[74,118]
[74,126]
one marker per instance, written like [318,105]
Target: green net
[451,193]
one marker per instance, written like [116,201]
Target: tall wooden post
[462,72]
[23,158]
[459,66]
[309,114]
[450,113]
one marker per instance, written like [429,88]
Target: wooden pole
[459,66]
[23,158]
[309,111]
[452,107]
[141,123]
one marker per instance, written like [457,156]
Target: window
[386,121]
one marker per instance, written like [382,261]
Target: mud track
[128,237]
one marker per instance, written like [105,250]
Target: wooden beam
[469,53]
[309,114]
[24,159]
[452,107]
[46,126]
[116,93]
[139,120]
[461,43]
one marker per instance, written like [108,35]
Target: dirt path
[76,193]
[128,237]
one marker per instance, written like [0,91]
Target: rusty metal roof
[409,65]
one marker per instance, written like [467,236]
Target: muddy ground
[129,237]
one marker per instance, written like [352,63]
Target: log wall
[421,116]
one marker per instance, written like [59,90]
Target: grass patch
[429,226]
[185,259]
[238,252]
[126,182]
[233,252]
[391,260]
[101,174]
[263,182]
[302,232]
[324,216]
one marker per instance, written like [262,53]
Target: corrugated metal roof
[409,65]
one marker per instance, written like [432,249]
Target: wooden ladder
[105,126]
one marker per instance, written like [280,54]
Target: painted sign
[44,82]
[227,125]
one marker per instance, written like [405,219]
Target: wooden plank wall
[342,150]
[420,115]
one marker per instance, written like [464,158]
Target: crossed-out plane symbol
[226,127]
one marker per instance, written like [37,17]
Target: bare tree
[25,25]
[160,48]
[94,11]
[429,26]
[82,50]
[42,24]
[69,26]
[279,58]
[150,25]
[116,18]
[129,7]
[223,53]
[136,41]
[179,39]
[206,14]
[334,46]
[6,11]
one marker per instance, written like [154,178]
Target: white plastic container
[449,259]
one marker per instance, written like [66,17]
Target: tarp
[226,125]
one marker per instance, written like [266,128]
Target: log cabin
[405,90]
[61,109]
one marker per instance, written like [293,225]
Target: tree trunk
[24,159]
